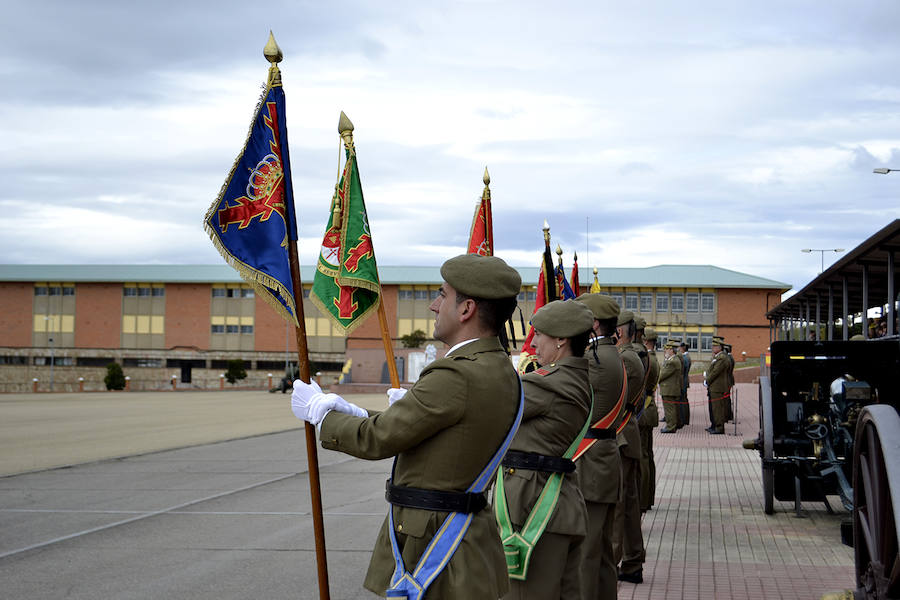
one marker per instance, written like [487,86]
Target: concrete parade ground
[205,495]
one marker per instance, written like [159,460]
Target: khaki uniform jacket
[557,404]
[686,369]
[599,470]
[443,432]
[717,376]
[730,359]
[670,377]
[630,436]
[650,417]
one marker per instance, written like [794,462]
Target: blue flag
[252,221]
[565,290]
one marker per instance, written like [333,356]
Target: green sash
[518,545]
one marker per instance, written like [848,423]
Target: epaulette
[544,371]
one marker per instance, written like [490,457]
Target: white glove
[349,408]
[395,394]
[302,396]
[311,405]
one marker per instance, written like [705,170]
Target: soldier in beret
[670,379]
[447,433]
[718,389]
[684,407]
[628,542]
[537,483]
[729,413]
[600,467]
[649,417]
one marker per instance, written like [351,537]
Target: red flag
[481,236]
[573,281]
[545,294]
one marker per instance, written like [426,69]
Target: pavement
[225,513]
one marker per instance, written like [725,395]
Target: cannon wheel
[768,452]
[876,500]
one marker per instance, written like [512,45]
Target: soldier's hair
[606,327]
[630,330]
[578,343]
[685,346]
[492,314]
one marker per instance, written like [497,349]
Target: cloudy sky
[646,133]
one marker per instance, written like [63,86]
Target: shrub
[414,339]
[115,378]
[235,371]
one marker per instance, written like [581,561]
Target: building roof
[865,271]
[700,276]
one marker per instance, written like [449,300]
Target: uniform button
[400,527]
[511,471]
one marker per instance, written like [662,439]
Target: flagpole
[345,129]
[273,53]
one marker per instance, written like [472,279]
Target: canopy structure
[862,280]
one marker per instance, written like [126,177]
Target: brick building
[180,324]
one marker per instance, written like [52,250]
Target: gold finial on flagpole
[546,229]
[274,55]
[595,271]
[559,253]
[345,128]
[487,177]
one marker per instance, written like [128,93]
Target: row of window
[43,290]
[143,292]
[676,302]
[694,341]
[219,292]
[243,329]
[417,294]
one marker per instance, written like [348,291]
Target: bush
[414,339]
[235,371]
[115,378]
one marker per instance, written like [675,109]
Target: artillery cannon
[829,426]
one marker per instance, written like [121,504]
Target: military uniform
[684,408]
[729,413]
[628,542]
[670,378]
[718,390]
[599,470]
[648,420]
[443,431]
[557,408]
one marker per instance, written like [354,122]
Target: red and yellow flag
[481,235]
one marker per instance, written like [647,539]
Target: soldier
[537,502]
[670,387]
[448,434]
[684,407]
[729,413]
[628,543]
[599,467]
[717,386]
[649,417]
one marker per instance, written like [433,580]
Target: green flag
[346,285]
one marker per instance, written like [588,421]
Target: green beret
[718,340]
[649,334]
[485,277]
[640,322]
[563,319]
[603,307]
[675,340]
[624,317]
[671,344]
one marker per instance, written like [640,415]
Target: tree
[235,371]
[414,339]
[115,378]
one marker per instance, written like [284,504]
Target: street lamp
[822,252]
[882,171]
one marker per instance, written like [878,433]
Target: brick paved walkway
[707,535]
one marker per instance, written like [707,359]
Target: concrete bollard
[174,382]
[221,381]
[81,384]
[34,383]
[127,384]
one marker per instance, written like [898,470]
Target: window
[232,329]
[707,302]
[153,363]
[158,292]
[420,295]
[247,329]
[94,361]
[131,291]
[691,340]
[13,360]
[55,291]
[433,294]
[662,303]
[218,292]
[40,290]
[646,302]
[617,296]
[218,329]
[661,339]
[693,302]
[68,291]
[631,301]
[144,292]
[706,342]
[247,293]
[405,295]
[677,302]
[306,292]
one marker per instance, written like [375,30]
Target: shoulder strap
[606,420]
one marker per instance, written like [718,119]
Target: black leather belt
[600,434]
[537,462]
[462,502]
